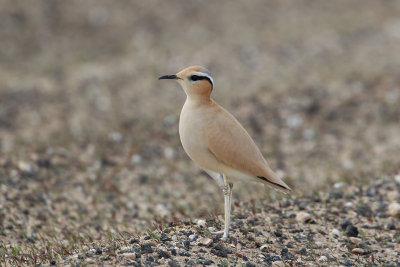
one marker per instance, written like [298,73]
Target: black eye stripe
[198,78]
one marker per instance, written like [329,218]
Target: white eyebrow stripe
[204,75]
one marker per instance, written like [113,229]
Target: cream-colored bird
[216,141]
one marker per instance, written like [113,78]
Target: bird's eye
[195,77]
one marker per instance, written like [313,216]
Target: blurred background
[89,136]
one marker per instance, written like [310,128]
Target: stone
[201,222]
[126,249]
[264,248]
[163,254]
[355,240]
[278,264]
[303,217]
[169,152]
[294,121]
[397,178]
[394,209]
[323,259]
[348,204]
[351,230]
[136,159]
[335,232]
[358,251]
[146,248]
[115,137]
[26,167]
[220,253]
[393,196]
[129,256]
[318,244]
[390,226]
[90,261]
[344,224]
[173,263]
[338,185]
[205,241]
[364,210]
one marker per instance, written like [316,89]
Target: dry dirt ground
[91,167]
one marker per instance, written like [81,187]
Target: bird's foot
[224,237]
[217,233]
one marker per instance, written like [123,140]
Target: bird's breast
[192,125]
[191,131]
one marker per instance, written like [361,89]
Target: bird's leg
[227,190]
[230,203]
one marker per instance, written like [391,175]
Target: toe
[217,233]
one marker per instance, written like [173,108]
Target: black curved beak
[169,77]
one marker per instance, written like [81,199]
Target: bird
[216,141]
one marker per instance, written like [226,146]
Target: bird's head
[195,80]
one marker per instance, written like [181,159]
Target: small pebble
[192,237]
[173,263]
[105,257]
[308,134]
[129,256]
[278,264]
[303,217]
[335,232]
[394,209]
[390,226]
[201,222]
[294,121]
[358,251]
[319,244]
[278,233]
[136,159]
[344,224]
[323,259]
[163,254]
[205,241]
[146,247]
[348,204]
[174,238]
[264,248]
[348,164]
[397,178]
[355,240]
[275,258]
[338,185]
[351,230]
[211,229]
[26,167]
[115,137]
[90,261]
[169,152]
[393,196]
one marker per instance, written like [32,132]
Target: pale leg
[227,190]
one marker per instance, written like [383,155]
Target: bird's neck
[198,99]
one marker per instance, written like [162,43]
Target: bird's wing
[232,145]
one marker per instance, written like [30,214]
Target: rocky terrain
[348,226]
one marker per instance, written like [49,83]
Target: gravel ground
[348,226]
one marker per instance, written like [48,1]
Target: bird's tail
[271,179]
